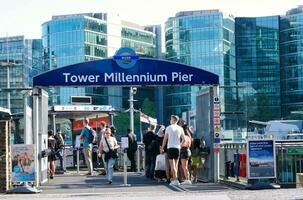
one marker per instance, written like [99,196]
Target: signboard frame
[249,157]
[17,150]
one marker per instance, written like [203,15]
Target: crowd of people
[171,154]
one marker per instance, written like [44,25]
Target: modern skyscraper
[291,52]
[203,39]
[258,67]
[69,39]
[20,60]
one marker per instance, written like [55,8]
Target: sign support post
[124,146]
[216,119]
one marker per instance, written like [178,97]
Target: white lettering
[73,78]
[109,76]
[80,78]
[66,76]
[178,76]
[174,75]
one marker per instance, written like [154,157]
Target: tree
[148,108]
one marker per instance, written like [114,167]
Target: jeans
[59,155]
[150,161]
[110,168]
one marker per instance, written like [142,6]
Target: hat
[113,128]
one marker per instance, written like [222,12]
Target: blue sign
[126,58]
[126,70]
[261,159]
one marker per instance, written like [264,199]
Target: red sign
[216,113]
[216,149]
[216,121]
[93,122]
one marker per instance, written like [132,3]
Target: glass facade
[76,38]
[20,58]
[203,39]
[73,39]
[144,43]
[291,52]
[258,67]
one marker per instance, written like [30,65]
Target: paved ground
[80,187]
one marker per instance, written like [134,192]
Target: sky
[24,17]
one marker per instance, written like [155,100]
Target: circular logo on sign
[217,135]
[126,58]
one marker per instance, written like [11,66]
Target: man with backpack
[88,137]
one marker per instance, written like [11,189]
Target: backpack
[91,136]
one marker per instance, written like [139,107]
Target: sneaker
[186,182]
[174,183]
[110,182]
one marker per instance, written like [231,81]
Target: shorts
[185,153]
[173,153]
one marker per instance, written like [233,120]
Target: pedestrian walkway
[72,183]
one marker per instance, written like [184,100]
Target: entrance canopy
[126,70]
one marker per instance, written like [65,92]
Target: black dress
[51,148]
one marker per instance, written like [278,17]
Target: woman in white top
[107,144]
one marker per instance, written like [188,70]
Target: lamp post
[132,91]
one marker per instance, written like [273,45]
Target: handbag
[111,153]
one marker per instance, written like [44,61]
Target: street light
[132,91]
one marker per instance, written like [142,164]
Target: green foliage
[148,108]
[122,120]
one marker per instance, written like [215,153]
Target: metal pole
[216,153]
[138,160]
[131,108]
[36,122]
[125,169]
[141,133]
[78,160]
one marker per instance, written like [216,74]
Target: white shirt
[174,133]
[112,142]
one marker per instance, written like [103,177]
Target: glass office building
[20,60]
[69,39]
[258,67]
[291,52]
[206,40]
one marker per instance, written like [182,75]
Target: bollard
[78,158]
[138,160]
[125,170]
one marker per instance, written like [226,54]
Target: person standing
[185,154]
[87,146]
[108,145]
[100,136]
[132,148]
[51,155]
[150,142]
[174,136]
[59,148]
